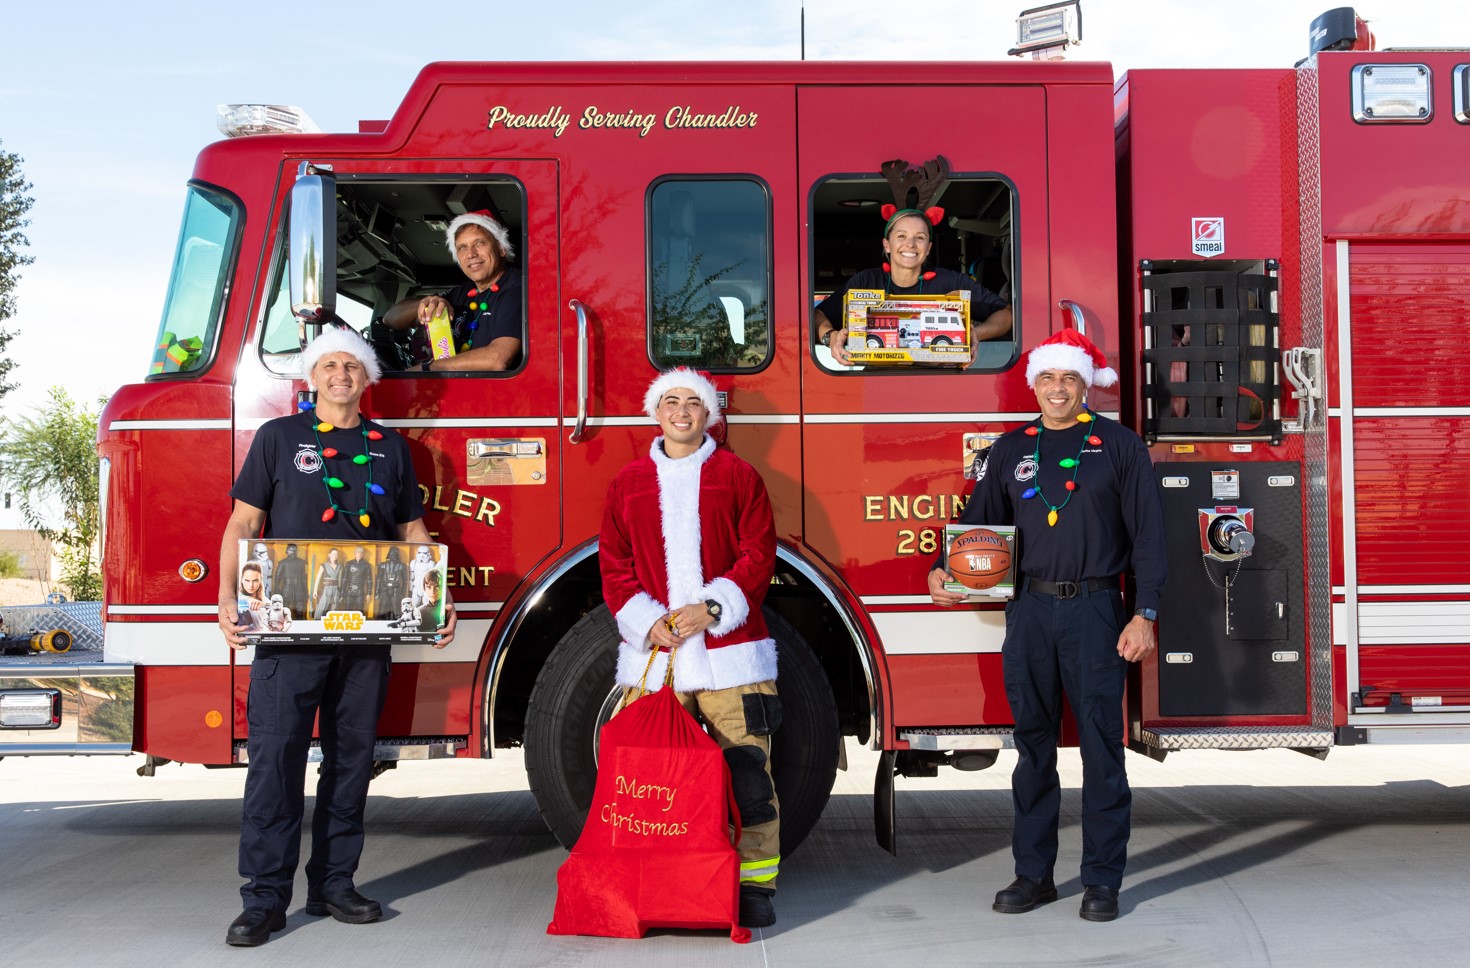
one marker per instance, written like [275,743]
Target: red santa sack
[656,849]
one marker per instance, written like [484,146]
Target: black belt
[1069,589]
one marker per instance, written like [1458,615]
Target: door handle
[1078,323]
[582,378]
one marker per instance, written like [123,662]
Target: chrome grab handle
[582,381]
[1078,323]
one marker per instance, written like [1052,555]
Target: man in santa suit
[687,551]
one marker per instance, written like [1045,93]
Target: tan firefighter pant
[741,719]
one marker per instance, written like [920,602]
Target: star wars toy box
[981,560]
[907,330]
[304,592]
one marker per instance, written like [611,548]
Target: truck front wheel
[574,696]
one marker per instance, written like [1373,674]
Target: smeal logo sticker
[1208,235]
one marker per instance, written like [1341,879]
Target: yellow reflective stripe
[760,871]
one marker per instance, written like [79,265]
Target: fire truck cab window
[391,253]
[975,238]
[709,265]
[196,286]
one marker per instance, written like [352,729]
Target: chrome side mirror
[313,247]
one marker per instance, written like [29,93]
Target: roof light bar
[238,120]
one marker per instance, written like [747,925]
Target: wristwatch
[1149,613]
[822,338]
[714,609]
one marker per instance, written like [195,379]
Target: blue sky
[109,103]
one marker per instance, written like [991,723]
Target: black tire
[941,341]
[874,342]
[574,696]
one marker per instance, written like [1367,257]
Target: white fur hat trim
[484,221]
[689,379]
[338,339]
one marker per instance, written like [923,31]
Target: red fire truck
[1276,261]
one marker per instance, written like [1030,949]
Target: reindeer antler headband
[927,179]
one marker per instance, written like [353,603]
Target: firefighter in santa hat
[688,548]
[485,312]
[1081,491]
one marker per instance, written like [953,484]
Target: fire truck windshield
[197,283]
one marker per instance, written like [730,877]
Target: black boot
[1024,894]
[756,909]
[345,905]
[1099,904]
[253,927]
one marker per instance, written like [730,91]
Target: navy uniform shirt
[498,313]
[283,476]
[1113,523]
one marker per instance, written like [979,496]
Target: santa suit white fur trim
[734,608]
[638,616]
[696,667]
[732,665]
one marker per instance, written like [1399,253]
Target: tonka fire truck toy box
[907,330]
[981,560]
[306,592]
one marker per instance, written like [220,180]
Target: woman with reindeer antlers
[908,239]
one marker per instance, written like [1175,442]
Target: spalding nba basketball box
[905,330]
[981,560]
[310,592]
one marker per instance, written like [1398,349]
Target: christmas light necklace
[1067,463]
[481,307]
[333,483]
[923,278]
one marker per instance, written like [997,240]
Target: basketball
[979,558]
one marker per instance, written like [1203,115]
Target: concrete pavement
[1237,859]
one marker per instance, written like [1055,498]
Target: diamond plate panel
[1235,738]
[82,619]
[1314,438]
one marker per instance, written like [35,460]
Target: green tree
[689,322]
[51,459]
[14,204]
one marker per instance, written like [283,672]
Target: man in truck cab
[280,494]
[485,313]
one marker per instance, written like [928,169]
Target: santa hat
[486,221]
[1070,350]
[339,339]
[688,379]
